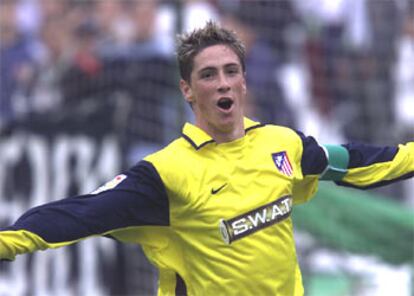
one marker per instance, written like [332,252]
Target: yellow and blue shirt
[214,218]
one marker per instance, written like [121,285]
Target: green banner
[359,222]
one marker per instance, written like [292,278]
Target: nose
[223,85]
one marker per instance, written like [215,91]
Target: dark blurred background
[87,88]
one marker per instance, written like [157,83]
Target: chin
[228,123]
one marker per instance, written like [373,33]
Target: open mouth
[225,103]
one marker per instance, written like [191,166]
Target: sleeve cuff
[338,160]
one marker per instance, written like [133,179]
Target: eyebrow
[213,68]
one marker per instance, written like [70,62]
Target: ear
[244,86]
[186,91]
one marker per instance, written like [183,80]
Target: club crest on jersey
[282,163]
[111,184]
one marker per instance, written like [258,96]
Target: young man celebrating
[212,209]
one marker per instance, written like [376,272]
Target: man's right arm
[17,242]
[137,198]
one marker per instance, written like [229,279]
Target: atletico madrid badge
[282,163]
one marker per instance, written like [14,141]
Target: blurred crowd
[342,70]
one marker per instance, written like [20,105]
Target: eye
[232,71]
[207,74]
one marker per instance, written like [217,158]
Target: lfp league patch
[111,184]
[282,163]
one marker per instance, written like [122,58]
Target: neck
[224,134]
[228,137]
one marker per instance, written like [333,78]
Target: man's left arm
[366,166]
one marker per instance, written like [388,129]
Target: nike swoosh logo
[215,191]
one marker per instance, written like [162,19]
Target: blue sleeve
[362,155]
[139,199]
[314,160]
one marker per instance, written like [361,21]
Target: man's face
[217,91]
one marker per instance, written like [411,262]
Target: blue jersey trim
[254,127]
[139,200]
[180,286]
[198,147]
[194,144]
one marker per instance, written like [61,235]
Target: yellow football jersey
[214,218]
[230,208]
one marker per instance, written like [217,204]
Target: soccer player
[212,209]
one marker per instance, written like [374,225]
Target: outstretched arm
[137,198]
[366,166]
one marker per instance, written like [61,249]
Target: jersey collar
[199,138]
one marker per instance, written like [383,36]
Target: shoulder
[177,165]
[171,154]
[172,161]
[276,133]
